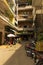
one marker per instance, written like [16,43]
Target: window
[29,2]
[25,26]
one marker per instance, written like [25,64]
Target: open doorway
[0,38]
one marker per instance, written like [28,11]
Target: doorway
[0,38]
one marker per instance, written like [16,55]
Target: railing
[5,17]
[24,3]
[25,29]
[25,18]
[22,15]
[25,8]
